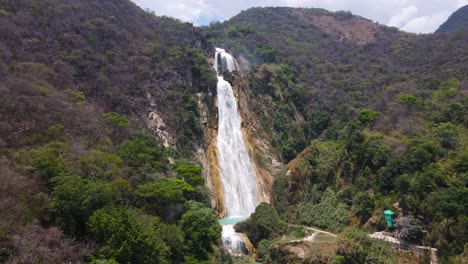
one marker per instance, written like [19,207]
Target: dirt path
[398,243]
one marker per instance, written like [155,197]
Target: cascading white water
[237,173]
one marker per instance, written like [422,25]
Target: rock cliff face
[159,128]
[263,159]
[212,172]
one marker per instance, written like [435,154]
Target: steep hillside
[86,88]
[321,67]
[456,22]
[116,54]
[367,118]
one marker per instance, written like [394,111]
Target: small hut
[388,215]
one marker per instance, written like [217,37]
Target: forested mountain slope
[366,118]
[112,51]
[82,177]
[369,118]
[457,21]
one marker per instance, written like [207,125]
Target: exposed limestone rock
[243,64]
[202,108]
[151,99]
[159,128]
[264,162]
[207,155]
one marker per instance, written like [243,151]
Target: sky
[417,16]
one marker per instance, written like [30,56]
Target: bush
[363,206]
[144,151]
[365,117]
[100,165]
[116,120]
[123,239]
[191,173]
[329,213]
[264,223]
[448,135]
[357,247]
[263,249]
[47,160]
[158,195]
[202,230]
[75,199]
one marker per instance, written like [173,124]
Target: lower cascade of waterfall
[234,241]
[237,173]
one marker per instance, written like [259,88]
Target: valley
[280,135]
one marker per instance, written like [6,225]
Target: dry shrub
[35,244]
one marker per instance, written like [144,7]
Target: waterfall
[237,173]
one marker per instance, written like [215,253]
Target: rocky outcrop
[156,124]
[159,128]
[207,154]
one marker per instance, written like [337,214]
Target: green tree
[364,118]
[75,199]
[421,153]
[143,151]
[123,239]
[264,223]
[100,165]
[173,236]
[160,194]
[329,213]
[386,176]
[363,205]
[408,99]
[191,173]
[201,230]
[449,202]
[48,161]
[448,135]
[374,153]
[116,120]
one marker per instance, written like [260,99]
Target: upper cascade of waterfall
[223,61]
[237,173]
[241,194]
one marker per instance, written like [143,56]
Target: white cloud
[461,3]
[403,16]
[185,10]
[426,24]
[413,15]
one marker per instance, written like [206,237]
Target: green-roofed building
[388,215]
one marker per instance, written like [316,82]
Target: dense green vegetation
[379,123]
[263,224]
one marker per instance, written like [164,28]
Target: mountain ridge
[456,22]
[108,111]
